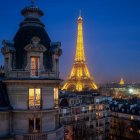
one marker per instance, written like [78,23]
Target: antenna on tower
[33,2]
[80,16]
[80,13]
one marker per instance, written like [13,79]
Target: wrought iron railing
[35,137]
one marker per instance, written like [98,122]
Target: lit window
[90,108]
[100,107]
[34,66]
[34,98]
[56,96]
[132,117]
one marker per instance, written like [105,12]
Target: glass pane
[55,93]
[34,98]
[34,66]
[31,97]
[31,125]
[37,66]
[37,97]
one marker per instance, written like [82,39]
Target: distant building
[125,120]
[121,82]
[29,83]
[85,115]
[121,91]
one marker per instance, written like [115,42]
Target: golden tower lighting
[79,78]
[121,82]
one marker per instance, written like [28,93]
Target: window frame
[34,71]
[34,107]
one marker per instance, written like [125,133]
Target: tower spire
[79,78]
[80,55]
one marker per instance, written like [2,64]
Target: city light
[131,90]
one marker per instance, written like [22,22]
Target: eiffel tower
[79,78]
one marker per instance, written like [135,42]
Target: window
[100,107]
[56,96]
[90,108]
[6,61]
[83,109]
[6,64]
[34,98]
[34,125]
[131,117]
[64,111]
[71,101]
[34,66]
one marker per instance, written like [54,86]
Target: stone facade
[4,123]
[32,82]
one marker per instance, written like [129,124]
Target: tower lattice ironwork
[79,78]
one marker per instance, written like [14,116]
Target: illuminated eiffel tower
[79,78]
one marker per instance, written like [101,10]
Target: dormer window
[34,66]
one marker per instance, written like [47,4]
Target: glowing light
[90,108]
[56,94]
[79,77]
[132,117]
[122,81]
[130,90]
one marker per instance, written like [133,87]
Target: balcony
[59,133]
[35,136]
[35,107]
[35,104]
[26,74]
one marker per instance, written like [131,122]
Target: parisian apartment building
[29,82]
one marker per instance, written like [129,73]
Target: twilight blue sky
[111,33]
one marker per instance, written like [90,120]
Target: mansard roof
[127,108]
[29,28]
[23,38]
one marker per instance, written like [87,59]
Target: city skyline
[111,34]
